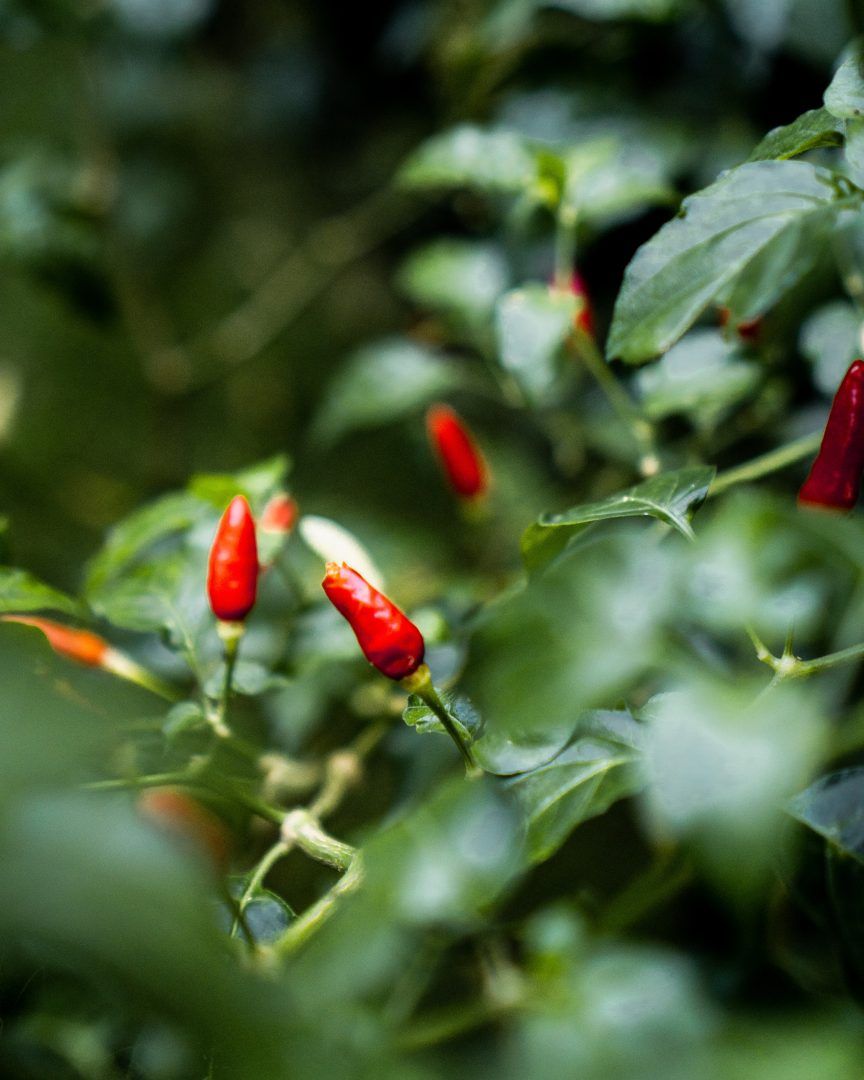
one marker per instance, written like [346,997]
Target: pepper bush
[608,821]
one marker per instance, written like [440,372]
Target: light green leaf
[582,782]
[129,540]
[669,497]
[831,339]
[531,325]
[459,278]
[701,376]
[468,156]
[602,10]
[21,591]
[717,235]
[608,178]
[418,715]
[812,130]
[844,97]
[382,383]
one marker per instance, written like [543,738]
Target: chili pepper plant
[432,600]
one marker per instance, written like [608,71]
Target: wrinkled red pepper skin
[232,576]
[835,477]
[388,638]
[81,646]
[280,514]
[457,451]
[585,316]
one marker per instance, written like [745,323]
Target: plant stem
[230,633]
[789,666]
[305,926]
[565,247]
[622,404]
[302,828]
[263,867]
[125,783]
[768,463]
[420,683]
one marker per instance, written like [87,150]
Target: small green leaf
[580,783]
[21,591]
[532,324]
[602,10]
[382,383]
[183,717]
[132,538]
[257,483]
[266,914]
[608,179]
[467,721]
[844,97]
[784,206]
[830,339]
[833,807]
[812,130]
[468,156]
[669,497]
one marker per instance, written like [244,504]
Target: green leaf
[608,179]
[701,376]
[267,915]
[813,130]
[603,10]
[581,782]
[833,807]
[132,538]
[21,591]
[716,236]
[459,278]
[382,383]
[568,640]
[830,339]
[844,97]
[467,721]
[531,325]
[468,156]
[669,497]
[257,483]
[855,149]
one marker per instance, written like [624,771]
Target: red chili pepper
[181,816]
[585,315]
[280,514]
[836,473]
[749,330]
[232,577]
[80,645]
[457,451]
[389,640]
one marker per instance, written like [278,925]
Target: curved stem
[768,463]
[420,683]
[256,878]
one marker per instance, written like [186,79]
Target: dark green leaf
[580,783]
[257,483]
[669,497]
[468,723]
[834,808]
[811,131]
[717,235]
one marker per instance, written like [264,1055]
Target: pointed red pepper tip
[387,637]
[80,645]
[835,477]
[460,457]
[232,576]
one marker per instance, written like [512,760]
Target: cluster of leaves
[663,828]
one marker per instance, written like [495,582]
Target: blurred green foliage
[242,248]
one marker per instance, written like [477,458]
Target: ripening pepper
[388,638]
[748,330]
[82,646]
[585,314]
[457,451]
[232,576]
[835,477]
[181,817]
[280,514]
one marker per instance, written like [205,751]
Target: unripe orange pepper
[80,645]
[280,514]
[232,577]
[388,638]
